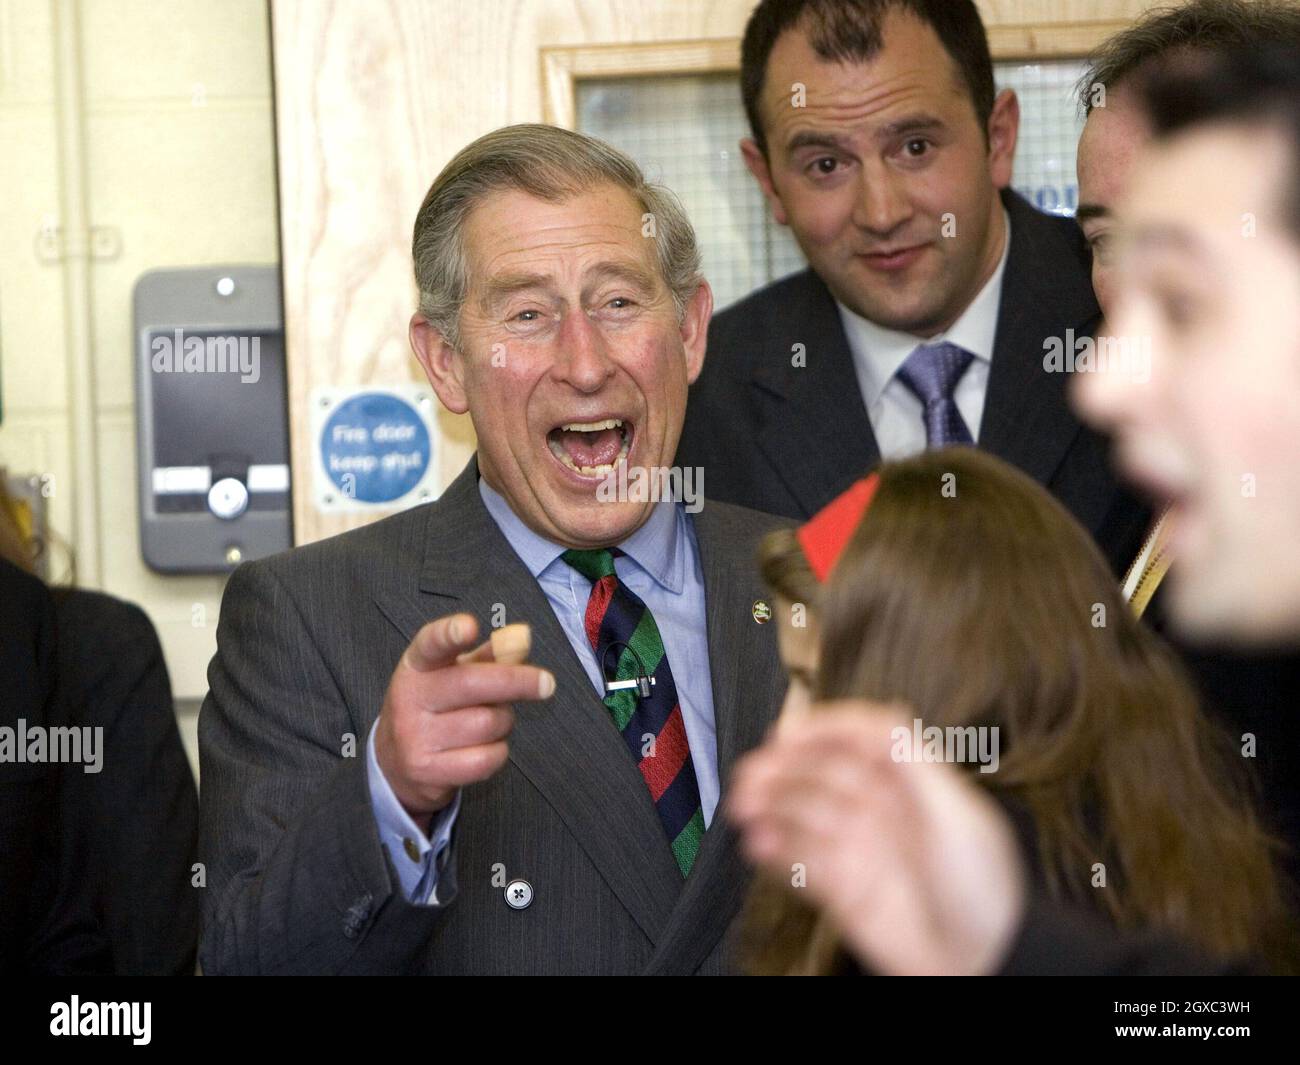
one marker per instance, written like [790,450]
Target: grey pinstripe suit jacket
[297,880]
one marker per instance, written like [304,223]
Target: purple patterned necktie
[931,372]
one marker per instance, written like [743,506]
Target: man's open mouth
[592,449]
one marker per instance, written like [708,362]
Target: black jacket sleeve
[1056,940]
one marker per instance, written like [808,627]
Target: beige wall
[179,169]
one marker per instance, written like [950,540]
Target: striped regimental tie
[628,647]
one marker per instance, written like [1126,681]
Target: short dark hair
[1257,87]
[850,30]
[1198,25]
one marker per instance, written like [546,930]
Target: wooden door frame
[562,67]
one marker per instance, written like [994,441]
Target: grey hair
[552,164]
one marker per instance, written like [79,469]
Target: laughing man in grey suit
[372,802]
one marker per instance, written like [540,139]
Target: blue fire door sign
[375,447]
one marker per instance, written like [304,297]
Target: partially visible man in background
[1117,126]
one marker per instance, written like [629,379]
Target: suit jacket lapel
[747,682]
[567,747]
[818,436]
[1027,418]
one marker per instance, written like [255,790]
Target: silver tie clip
[641,684]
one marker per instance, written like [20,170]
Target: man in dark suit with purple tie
[935,296]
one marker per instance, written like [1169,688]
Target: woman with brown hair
[953,584]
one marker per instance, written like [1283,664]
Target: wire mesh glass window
[684,130]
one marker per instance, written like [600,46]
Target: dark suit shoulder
[735,531]
[751,343]
[1049,255]
[23,598]
[115,623]
[106,643]
[763,303]
[739,523]
[744,328]
[1062,228]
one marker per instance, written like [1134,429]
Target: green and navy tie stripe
[623,633]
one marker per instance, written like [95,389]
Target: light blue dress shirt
[661,565]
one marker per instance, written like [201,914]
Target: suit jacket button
[519,894]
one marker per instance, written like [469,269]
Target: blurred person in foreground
[1252,691]
[1209,276]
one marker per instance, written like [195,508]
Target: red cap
[825,535]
